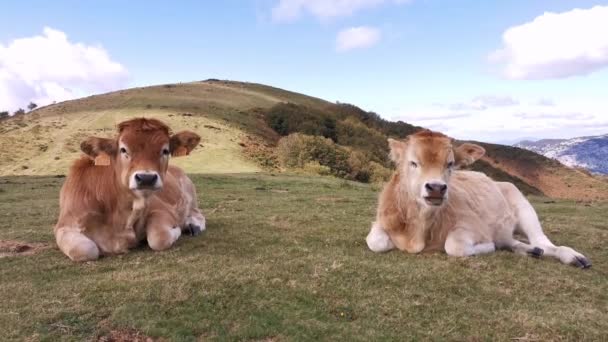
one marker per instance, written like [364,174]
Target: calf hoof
[536,252]
[581,262]
[193,229]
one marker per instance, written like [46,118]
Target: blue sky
[430,62]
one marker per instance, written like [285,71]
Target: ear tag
[102,160]
[181,151]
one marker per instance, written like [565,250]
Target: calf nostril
[146,179]
[436,187]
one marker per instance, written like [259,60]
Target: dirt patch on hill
[555,182]
[9,248]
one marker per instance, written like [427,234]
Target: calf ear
[182,143]
[99,149]
[466,154]
[397,150]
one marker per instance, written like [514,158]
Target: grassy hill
[235,120]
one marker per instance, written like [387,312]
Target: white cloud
[484,102]
[546,102]
[357,38]
[556,45]
[523,120]
[289,10]
[49,68]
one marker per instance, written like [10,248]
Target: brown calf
[429,205]
[124,191]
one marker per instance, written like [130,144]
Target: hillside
[47,140]
[590,153]
[551,177]
[235,120]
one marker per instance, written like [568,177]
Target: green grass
[284,258]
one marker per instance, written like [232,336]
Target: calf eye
[450,165]
[413,164]
[166,151]
[123,150]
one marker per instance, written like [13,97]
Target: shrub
[315,168]
[319,155]
[364,169]
[288,118]
[32,106]
[3,114]
[398,129]
[352,132]
[359,167]
[379,173]
[19,111]
[296,150]
[349,141]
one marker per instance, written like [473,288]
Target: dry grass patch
[10,248]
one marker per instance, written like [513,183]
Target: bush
[363,169]
[322,156]
[372,120]
[19,111]
[297,150]
[315,168]
[349,141]
[288,118]
[359,167]
[352,132]
[379,173]
[3,114]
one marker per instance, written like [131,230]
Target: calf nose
[440,188]
[146,179]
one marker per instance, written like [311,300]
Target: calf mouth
[433,200]
[147,188]
[145,191]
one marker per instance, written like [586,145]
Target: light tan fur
[102,212]
[429,205]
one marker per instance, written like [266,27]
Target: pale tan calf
[133,196]
[428,205]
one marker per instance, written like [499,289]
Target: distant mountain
[590,153]
[514,141]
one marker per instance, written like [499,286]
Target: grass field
[284,258]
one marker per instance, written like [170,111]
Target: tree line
[20,111]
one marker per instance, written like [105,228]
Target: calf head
[140,153]
[426,161]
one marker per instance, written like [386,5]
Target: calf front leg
[411,243]
[461,243]
[76,245]
[195,223]
[378,240]
[409,239]
[161,231]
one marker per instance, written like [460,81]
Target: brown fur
[97,205]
